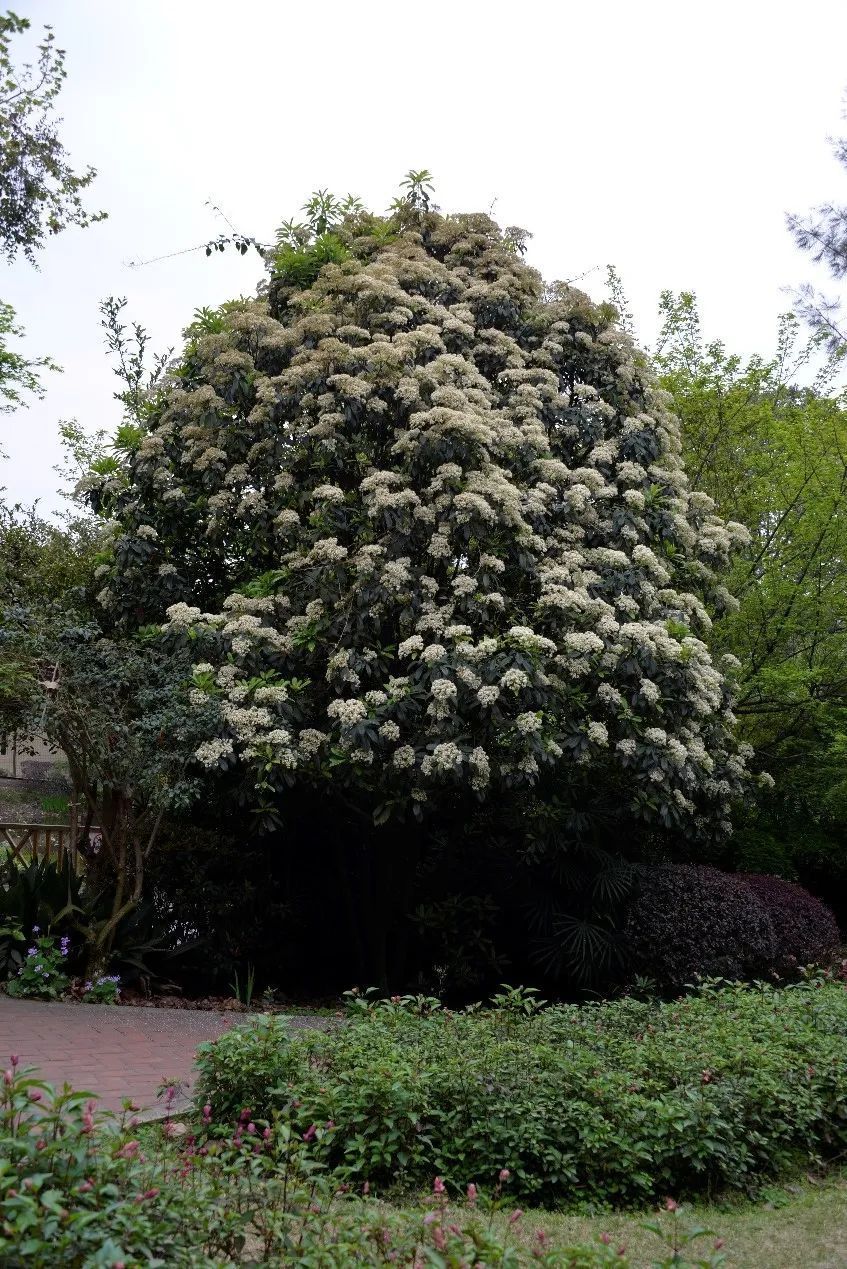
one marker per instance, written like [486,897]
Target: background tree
[19,376]
[768,440]
[119,711]
[823,234]
[42,559]
[40,193]
[424,524]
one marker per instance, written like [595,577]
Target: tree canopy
[40,193]
[425,521]
[822,233]
[767,438]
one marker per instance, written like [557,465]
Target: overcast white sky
[666,137]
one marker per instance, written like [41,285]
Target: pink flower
[515,1217]
[438,1186]
[366,1188]
[14,1059]
[266,1134]
[251,1128]
[605,1239]
[671,1205]
[309,1134]
[7,1078]
[504,1174]
[34,1094]
[472,1194]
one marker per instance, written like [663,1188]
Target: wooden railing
[23,843]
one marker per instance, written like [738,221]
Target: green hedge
[622,1101]
[79,1189]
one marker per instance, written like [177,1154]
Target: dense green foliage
[79,1189]
[43,562]
[767,439]
[119,712]
[620,1101]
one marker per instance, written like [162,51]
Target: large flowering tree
[425,520]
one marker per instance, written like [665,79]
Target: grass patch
[55,804]
[792,1227]
[799,1225]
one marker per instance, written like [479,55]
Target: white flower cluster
[478,556]
[347,713]
[210,752]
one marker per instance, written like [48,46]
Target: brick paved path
[111,1051]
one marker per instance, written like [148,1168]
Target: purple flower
[36,929]
[88,986]
[64,944]
[32,951]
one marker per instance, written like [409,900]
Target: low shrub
[616,1102]
[79,1188]
[103,989]
[687,921]
[76,1189]
[42,972]
[805,930]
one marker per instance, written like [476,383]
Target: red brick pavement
[111,1051]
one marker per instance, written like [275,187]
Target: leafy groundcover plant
[617,1102]
[78,1188]
[42,973]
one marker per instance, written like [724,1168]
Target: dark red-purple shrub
[686,920]
[806,932]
